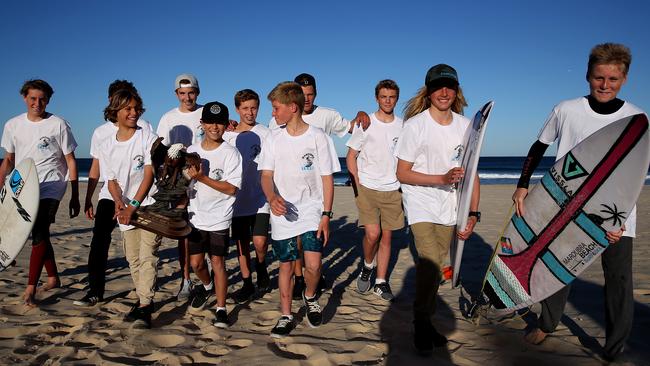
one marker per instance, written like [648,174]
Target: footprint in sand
[346,310]
[9,333]
[166,340]
[216,349]
[267,318]
[239,343]
[356,331]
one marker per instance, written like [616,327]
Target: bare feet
[52,282]
[28,296]
[535,336]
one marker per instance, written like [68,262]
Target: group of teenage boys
[252,177]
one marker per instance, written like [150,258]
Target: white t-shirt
[47,142]
[572,121]
[125,162]
[298,162]
[250,198]
[180,127]
[105,130]
[376,161]
[433,149]
[326,119]
[209,209]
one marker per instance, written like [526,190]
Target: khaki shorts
[432,241]
[380,208]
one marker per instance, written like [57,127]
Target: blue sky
[526,56]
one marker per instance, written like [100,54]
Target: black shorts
[244,227]
[45,216]
[211,242]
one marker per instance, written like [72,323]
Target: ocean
[491,170]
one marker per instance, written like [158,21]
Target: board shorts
[46,215]
[380,208]
[286,250]
[215,243]
[244,227]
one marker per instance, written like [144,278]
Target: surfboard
[19,198]
[588,192]
[473,140]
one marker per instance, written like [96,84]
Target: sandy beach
[359,329]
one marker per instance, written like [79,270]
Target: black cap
[441,75]
[215,112]
[305,79]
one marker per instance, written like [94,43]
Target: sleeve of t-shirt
[145,125]
[551,129]
[326,153]
[357,139]
[102,153]
[232,169]
[163,131]
[150,138]
[407,144]
[267,160]
[68,143]
[273,124]
[8,139]
[94,141]
[340,125]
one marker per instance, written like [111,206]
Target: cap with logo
[215,112]
[439,76]
[305,79]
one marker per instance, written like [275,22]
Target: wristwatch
[476,214]
[329,214]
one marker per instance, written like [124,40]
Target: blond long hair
[421,101]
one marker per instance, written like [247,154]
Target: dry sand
[359,328]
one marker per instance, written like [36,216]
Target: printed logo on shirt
[44,143]
[458,153]
[307,162]
[216,174]
[139,162]
[392,148]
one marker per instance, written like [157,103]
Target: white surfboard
[589,191]
[19,199]
[472,150]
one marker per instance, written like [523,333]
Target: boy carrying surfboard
[569,123]
[48,140]
[429,152]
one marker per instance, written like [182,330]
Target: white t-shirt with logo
[47,142]
[250,198]
[298,162]
[125,162]
[326,119]
[209,209]
[433,149]
[376,161]
[104,131]
[572,121]
[180,127]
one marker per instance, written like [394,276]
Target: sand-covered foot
[535,336]
[52,282]
[28,296]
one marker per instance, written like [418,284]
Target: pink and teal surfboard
[588,192]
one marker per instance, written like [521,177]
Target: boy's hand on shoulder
[323,232]
[278,206]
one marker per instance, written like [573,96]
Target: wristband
[135,203]
[329,214]
[476,214]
